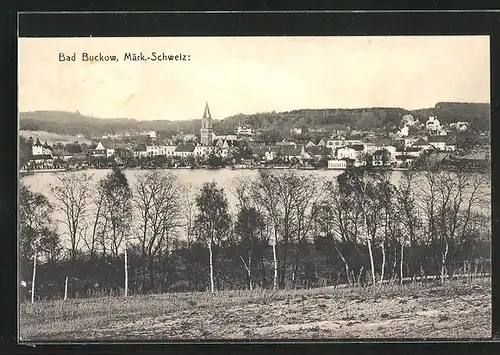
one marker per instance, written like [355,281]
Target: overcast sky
[252,74]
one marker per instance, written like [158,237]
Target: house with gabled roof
[310,144]
[290,152]
[102,151]
[422,144]
[322,142]
[438,142]
[39,149]
[203,150]
[271,152]
[319,152]
[354,153]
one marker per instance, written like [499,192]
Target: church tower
[207,130]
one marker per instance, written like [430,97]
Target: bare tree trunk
[250,271]
[151,274]
[383,263]
[126,272]
[371,261]
[211,268]
[66,288]
[401,265]
[248,268]
[33,279]
[275,259]
[346,266]
[443,262]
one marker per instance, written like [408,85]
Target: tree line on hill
[370,119]
[288,231]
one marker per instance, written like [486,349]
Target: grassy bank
[456,309]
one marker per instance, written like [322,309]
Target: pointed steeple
[38,143]
[207,130]
[206,114]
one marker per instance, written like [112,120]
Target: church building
[207,130]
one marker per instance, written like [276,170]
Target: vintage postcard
[254,188]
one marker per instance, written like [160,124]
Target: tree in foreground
[249,228]
[116,208]
[73,194]
[34,232]
[157,198]
[213,220]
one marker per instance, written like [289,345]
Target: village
[450,144]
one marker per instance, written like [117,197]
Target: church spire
[206,114]
[207,130]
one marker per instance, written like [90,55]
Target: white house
[270,152]
[140,153]
[346,153]
[154,150]
[433,124]
[459,126]
[203,150]
[353,152]
[337,164]
[227,137]
[39,149]
[335,143]
[409,141]
[244,131]
[151,134]
[101,151]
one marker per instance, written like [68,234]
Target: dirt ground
[451,311]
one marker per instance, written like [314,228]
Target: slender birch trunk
[370,252]
[346,266]
[33,279]
[126,272]
[371,261]
[275,259]
[401,265]
[383,263]
[211,267]
[66,288]
[443,262]
[250,271]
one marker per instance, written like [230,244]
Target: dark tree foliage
[430,223]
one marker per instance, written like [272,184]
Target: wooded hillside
[373,119]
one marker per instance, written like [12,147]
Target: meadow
[454,309]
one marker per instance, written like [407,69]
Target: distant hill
[374,119]
[73,123]
[52,137]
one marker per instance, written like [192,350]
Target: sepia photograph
[254,188]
